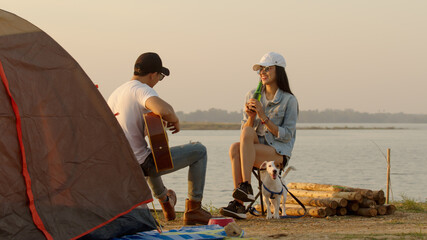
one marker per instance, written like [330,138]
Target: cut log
[258,208]
[368,203]
[315,187]
[342,202]
[332,188]
[324,194]
[365,193]
[341,211]
[367,212]
[296,210]
[353,206]
[320,213]
[378,194]
[390,209]
[329,211]
[316,202]
[380,201]
[382,210]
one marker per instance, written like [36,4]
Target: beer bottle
[257,93]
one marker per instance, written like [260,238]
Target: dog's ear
[263,165]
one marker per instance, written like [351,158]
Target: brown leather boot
[195,214]
[169,206]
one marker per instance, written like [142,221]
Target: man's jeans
[193,155]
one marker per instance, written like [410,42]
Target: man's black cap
[149,62]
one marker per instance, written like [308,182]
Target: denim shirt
[283,112]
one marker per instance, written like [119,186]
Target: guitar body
[158,141]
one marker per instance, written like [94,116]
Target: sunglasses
[161,76]
[265,69]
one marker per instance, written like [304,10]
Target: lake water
[353,158]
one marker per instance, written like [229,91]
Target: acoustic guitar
[158,141]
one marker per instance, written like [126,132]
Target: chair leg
[259,195]
[256,196]
[260,192]
[252,203]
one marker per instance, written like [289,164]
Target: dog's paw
[276,216]
[269,216]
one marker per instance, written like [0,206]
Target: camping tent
[66,166]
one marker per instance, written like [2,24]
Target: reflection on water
[347,157]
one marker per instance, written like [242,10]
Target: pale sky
[367,55]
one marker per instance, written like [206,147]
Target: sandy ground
[400,225]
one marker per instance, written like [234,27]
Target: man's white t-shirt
[128,103]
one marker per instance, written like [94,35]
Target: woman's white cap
[270,59]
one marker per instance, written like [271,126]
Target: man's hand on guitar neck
[173,127]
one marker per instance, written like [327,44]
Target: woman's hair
[282,79]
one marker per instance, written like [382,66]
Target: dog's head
[271,169]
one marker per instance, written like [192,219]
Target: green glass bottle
[257,93]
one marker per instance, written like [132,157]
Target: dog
[272,189]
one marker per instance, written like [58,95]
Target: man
[129,102]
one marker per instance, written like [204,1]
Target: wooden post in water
[388,176]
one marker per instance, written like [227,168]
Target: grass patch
[418,235]
[410,205]
[179,215]
[211,208]
[413,235]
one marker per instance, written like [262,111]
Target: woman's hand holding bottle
[254,107]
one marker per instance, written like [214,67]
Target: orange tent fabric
[66,167]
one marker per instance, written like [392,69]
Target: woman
[268,131]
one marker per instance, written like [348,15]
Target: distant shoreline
[308,116]
[236,126]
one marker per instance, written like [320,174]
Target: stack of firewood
[323,200]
